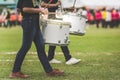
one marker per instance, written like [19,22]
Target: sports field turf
[99,50]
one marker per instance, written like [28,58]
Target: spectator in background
[0,20]
[84,11]
[3,18]
[115,18]
[90,18]
[8,18]
[119,16]
[19,19]
[13,19]
[108,19]
[103,12]
[98,17]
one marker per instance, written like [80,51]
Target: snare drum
[78,23]
[56,32]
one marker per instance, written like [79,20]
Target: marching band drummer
[31,32]
[52,6]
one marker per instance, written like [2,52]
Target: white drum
[56,32]
[78,23]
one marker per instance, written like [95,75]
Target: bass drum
[78,23]
[56,32]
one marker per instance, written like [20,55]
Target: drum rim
[54,44]
[60,22]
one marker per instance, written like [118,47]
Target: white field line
[16,53]
[27,53]
[13,60]
[8,60]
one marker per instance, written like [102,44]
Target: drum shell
[78,23]
[56,32]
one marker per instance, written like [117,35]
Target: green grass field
[99,50]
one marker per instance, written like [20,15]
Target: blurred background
[104,13]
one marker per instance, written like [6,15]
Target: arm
[48,5]
[33,10]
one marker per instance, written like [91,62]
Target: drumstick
[74,3]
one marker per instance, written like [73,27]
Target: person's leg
[69,59]
[28,33]
[51,52]
[117,23]
[66,52]
[111,24]
[102,23]
[39,43]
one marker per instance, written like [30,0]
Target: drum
[56,32]
[78,23]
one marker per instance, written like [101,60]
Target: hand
[58,3]
[45,12]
